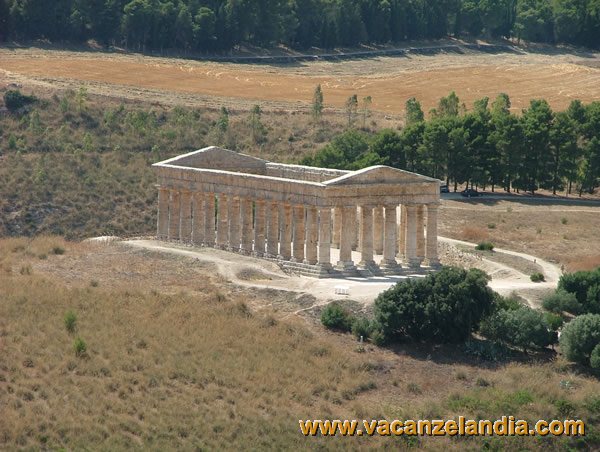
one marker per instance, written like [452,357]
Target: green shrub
[585,285]
[485,246]
[70,321]
[510,303]
[565,408]
[15,100]
[377,336]
[561,301]
[58,250]
[554,321]
[523,327]
[79,346]
[595,357]
[564,220]
[442,307]
[580,337]
[486,350]
[537,277]
[335,317]
[491,225]
[361,326]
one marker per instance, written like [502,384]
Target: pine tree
[317,105]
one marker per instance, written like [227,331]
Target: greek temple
[313,221]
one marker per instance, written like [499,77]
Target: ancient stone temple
[308,219]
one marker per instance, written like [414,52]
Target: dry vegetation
[79,165]
[566,234]
[177,357]
[556,75]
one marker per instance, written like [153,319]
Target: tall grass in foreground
[198,368]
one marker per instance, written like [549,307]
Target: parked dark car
[470,193]
[444,189]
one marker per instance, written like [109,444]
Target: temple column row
[302,234]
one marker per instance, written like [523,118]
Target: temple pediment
[214,157]
[379,175]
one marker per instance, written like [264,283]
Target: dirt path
[513,279]
[268,275]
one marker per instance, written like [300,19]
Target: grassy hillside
[173,363]
[79,166]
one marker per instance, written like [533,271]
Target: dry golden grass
[474,234]
[176,358]
[566,234]
[584,262]
[390,81]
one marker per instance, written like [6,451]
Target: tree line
[220,25]
[487,146]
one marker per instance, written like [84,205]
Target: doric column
[273,229]
[285,246]
[421,233]
[411,237]
[389,238]
[432,235]
[198,228]
[346,238]
[299,234]
[337,221]
[378,230]
[259,228]
[312,235]
[402,233]
[366,236]
[162,228]
[209,219]
[234,224]
[247,232]
[185,234]
[223,222]
[325,237]
[356,229]
[174,215]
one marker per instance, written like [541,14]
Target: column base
[347,268]
[369,269]
[390,267]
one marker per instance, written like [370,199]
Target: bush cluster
[443,307]
[14,100]
[485,246]
[537,277]
[585,285]
[562,301]
[522,327]
[580,340]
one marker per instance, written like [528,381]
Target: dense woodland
[487,146]
[220,25]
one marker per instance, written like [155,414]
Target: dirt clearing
[390,81]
